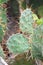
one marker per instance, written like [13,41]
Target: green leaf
[17,43]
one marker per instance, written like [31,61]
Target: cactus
[17,43]
[26,21]
[3,19]
[37,43]
[3,15]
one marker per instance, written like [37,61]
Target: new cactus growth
[35,17]
[39,21]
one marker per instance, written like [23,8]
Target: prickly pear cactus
[26,21]
[3,16]
[1,52]
[37,43]
[17,43]
[3,20]
[1,33]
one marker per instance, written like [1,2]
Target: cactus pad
[17,43]
[26,21]
[37,46]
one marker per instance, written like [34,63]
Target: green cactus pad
[17,43]
[26,21]
[37,46]
[3,18]
[3,15]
